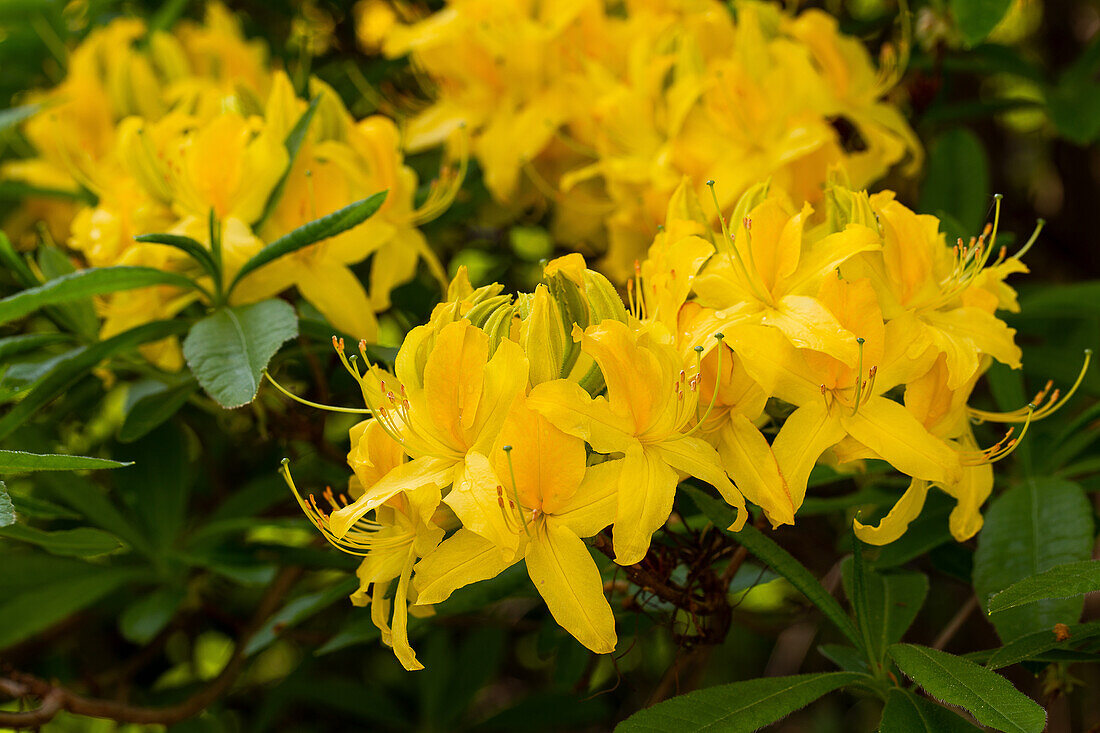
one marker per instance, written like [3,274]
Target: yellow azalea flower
[922,283]
[768,273]
[403,530]
[441,409]
[532,500]
[649,405]
[835,400]
[737,408]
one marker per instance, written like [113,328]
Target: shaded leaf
[1029,529]
[327,226]
[12,461]
[153,408]
[990,698]
[976,19]
[1040,642]
[1061,581]
[192,247]
[893,600]
[908,713]
[228,350]
[144,619]
[80,542]
[298,610]
[7,511]
[741,707]
[85,283]
[944,191]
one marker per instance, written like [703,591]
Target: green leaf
[229,350]
[990,698]
[85,283]
[298,610]
[72,367]
[14,262]
[778,559]
[1066,300]
[1029,529]
[908,713]
[293,143]
[964,197]
[1061,581]
[79,314]
[80,542]
[1074,102]
[85,497]
[15,345]
[12,461]
[153,408]
[193,248]
[146,617]
[977,18]
[313,232]
[158,485]
[33,610]
[847,658]
[741,707]
[1040,642]
[14,115]
[892,601]
[7,511]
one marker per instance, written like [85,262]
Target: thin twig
[955,623]
[56,698]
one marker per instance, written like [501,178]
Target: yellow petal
[892,432]
[505,382]
[810,325]
[400,638]
[340,297]
[453,378]
[647,487]
[750,462]
[407,476]
[567,406]
[393,264]
[807,433]
[476,503]
[546,463]
[967,330]
[827,255]
[894,524]
[593,505]
[973,488]
[569,581]
[698,458]
[775,364]
[464,558]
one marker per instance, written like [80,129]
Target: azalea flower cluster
[194,133]
[602,107]
[514,427]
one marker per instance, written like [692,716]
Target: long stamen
[859,376]
[717,382]
[1036,410]
[733,252]
[308,403]
[1002,448]
[515,489]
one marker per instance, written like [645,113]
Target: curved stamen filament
[859,376]
[733,252]
[317,405]
[1001,449]
[1036,410]
[714,394]
[515,490]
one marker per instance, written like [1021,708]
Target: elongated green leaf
[12,116]
[1061,581]
[16,190]
[313,232]
[14,262]
[293,143]
[1029,529]
[86,498]
[847,658]
[15,345]
[153,408]
[908,713]
[990,698]
[158,486]
[79,542]
[977,18]
[298,610]
[1040,642]
[73,367]
[145,618]
[197,252]
[892,601]
[778,560]
[12,461]
[80,313]
[229,350]
[84,283]
[741,707]
[965,198]
[7,511]
[31,611]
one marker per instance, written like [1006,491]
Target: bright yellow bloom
[450,401]
[650,404]
[532,500]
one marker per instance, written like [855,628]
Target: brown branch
[644,578]
[56,698]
